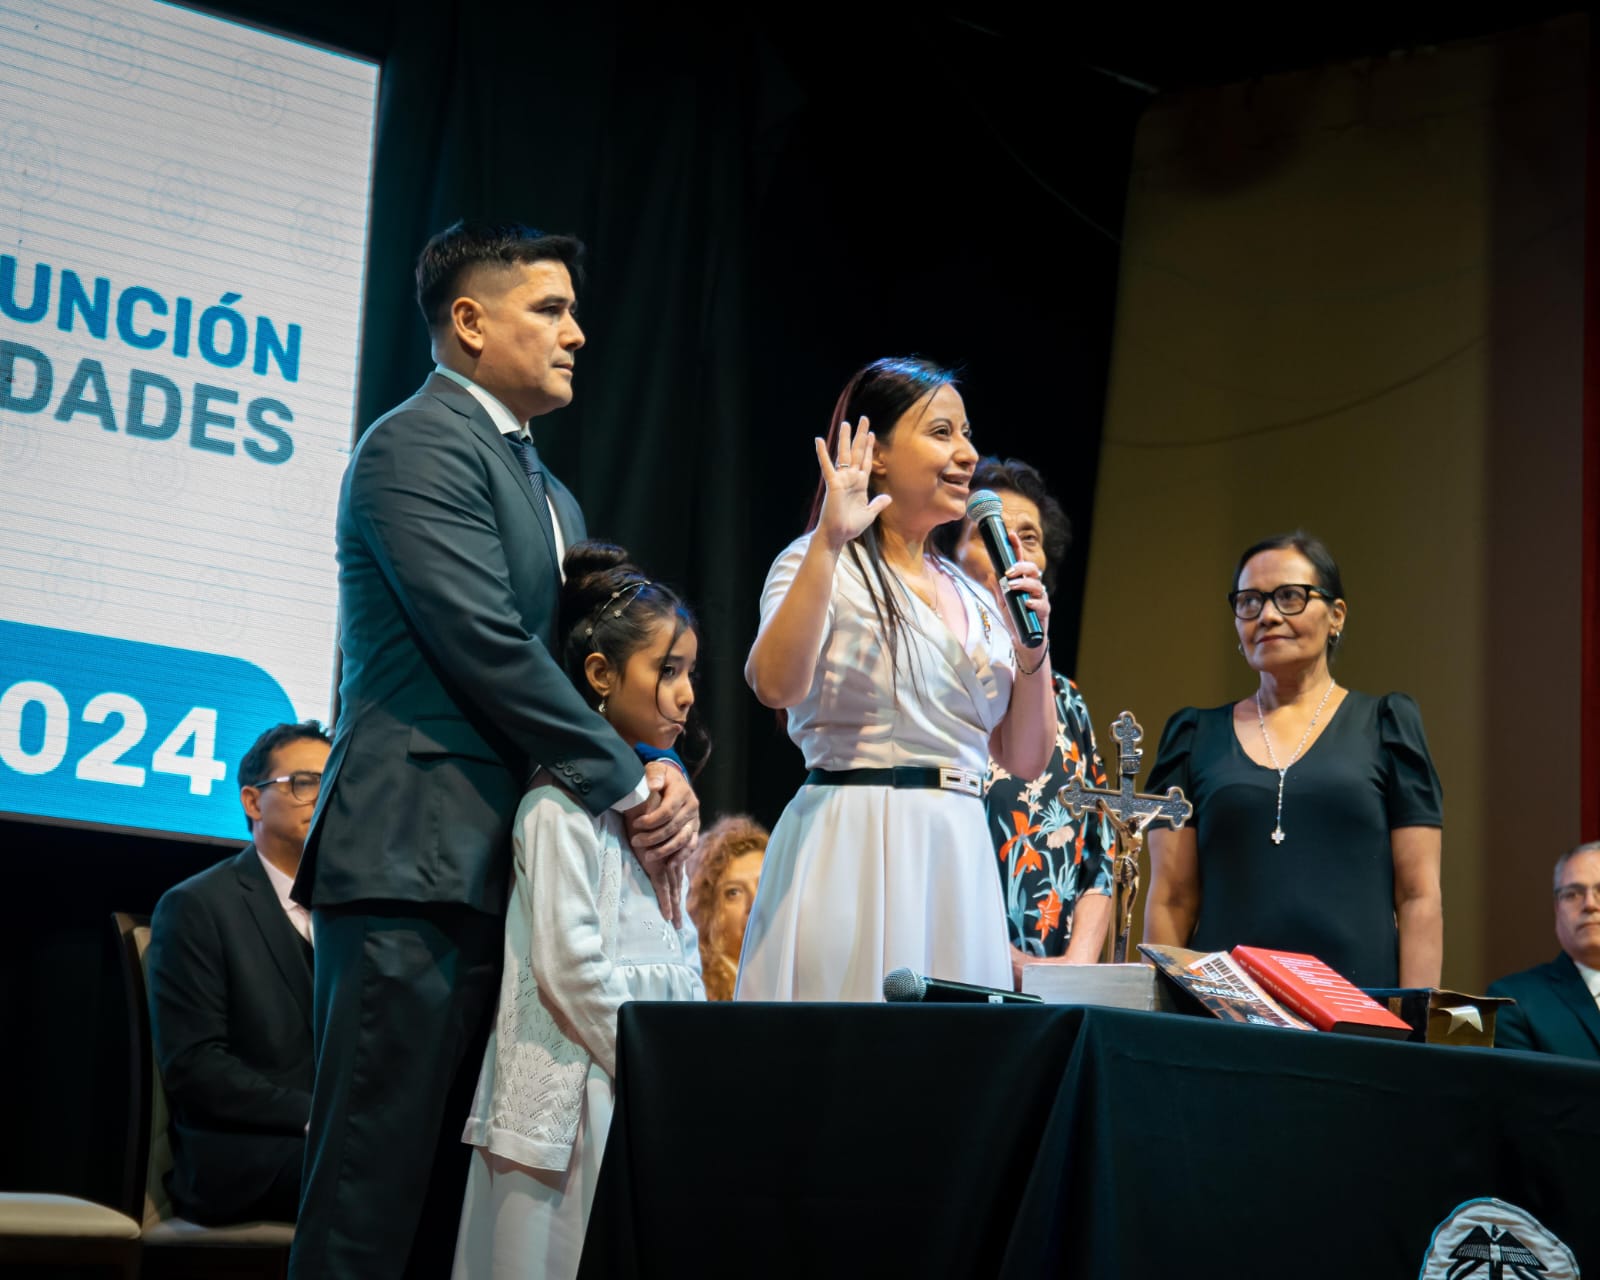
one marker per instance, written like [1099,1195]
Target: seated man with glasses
[1558,1004]
[229,971]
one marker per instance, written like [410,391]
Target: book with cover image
[1319,993]
[1274,989]
[1221,986]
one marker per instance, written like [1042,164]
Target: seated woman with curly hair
[722,886]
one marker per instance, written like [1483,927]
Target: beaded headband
[595,618]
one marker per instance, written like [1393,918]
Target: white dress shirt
[299,917]
[507,425]
[1591,979]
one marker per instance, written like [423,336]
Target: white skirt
[859,881]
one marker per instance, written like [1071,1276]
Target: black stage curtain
[970,1141]
[770,199]
[771,196]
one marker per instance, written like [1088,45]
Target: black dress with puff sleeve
[1328,889]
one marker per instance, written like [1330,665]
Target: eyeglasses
[302,786]
[1289,599]
[1572,895]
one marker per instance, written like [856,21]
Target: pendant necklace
[1283,769]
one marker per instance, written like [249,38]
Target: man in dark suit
[1558,1004]
[450,537]
[229,976]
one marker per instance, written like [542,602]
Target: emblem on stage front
[1130,813]
[1489,1239]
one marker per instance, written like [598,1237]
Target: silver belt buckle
[954,779]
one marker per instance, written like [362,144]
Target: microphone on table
[985,511]
[902,986]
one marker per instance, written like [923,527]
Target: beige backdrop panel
[1351,302]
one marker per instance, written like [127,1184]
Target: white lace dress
[583,935]
[858,880]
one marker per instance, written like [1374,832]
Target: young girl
[584,933]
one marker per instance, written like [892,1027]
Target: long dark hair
[883,392]
[610,606]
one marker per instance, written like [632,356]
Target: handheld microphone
[984,510]
[902,986]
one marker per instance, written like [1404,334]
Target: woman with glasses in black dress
[1317,808]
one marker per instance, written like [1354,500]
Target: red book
[1321,996]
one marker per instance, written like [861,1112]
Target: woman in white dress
[584,933]
[900,680]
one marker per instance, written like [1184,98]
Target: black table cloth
[964,1141]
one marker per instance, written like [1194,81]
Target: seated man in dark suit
[1558,1004]
[229,970]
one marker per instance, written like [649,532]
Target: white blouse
[584,934]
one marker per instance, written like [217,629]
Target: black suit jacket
[1554,1012]
[452,690]
[230,1013]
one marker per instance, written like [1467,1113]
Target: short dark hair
[1013,475]
[256,761]
[452,253]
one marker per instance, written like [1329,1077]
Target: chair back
[149,1145]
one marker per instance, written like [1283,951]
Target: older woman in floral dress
[1055,870]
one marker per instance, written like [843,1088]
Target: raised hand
[847,508]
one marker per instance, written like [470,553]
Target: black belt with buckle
[907,776]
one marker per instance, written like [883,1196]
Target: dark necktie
[528,456]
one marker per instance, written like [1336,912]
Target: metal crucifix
[1129,812]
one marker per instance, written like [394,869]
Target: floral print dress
[1047,859]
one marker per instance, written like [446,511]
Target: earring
[602,707]
[1240,647]
[1333,639]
